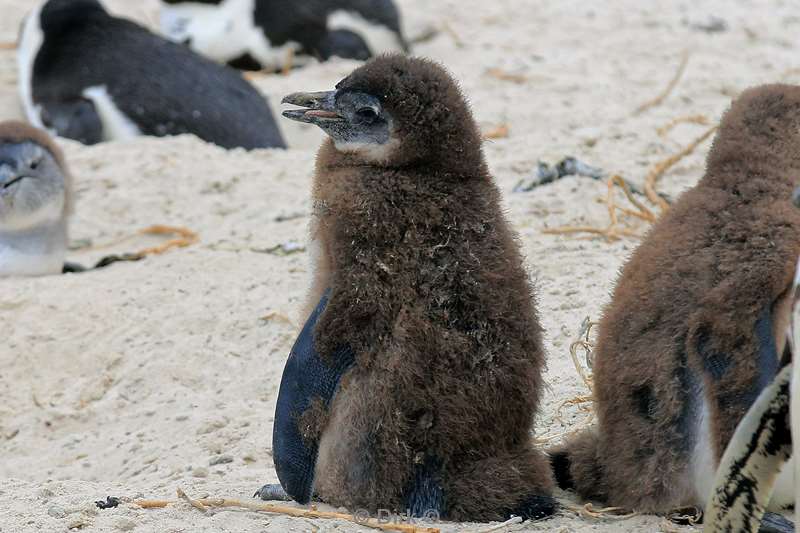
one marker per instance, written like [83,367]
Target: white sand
[130,381]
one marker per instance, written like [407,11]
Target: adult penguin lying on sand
[264,34]
[416,379]
[695,329]
[92,77]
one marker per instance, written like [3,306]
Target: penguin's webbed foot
[272,492]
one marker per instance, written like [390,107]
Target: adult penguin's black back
[91,77]
[276,34]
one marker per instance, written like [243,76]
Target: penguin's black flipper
[769,360]
[306,378]
[77,120]
[766,358]
[775,523]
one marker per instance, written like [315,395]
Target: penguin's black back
[162,87]
[383,12]
[343,43]
[305,22]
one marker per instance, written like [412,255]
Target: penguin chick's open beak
[319,107]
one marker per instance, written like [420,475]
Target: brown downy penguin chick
[760,447]
[35,202]
[696,325]
[415,382]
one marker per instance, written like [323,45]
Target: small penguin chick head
[762,124]
[395,111]
[34,188]
[766,111]
[356,121]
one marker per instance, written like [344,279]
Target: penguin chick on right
[760,447]
[695,328]
[35,202]
[416,380]
[89,76]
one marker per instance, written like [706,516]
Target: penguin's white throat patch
[370,151]
[17,215]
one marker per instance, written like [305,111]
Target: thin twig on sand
[194,503]
[186,237]
[614,231]
[661,167]
[642,211]
[700,120]
[498,132]
[205,503]
[686,516]
[459,42]
[584,341]
[498,527]
[606,513]
[584,401]
[610,233]
[670,87]
[503,75]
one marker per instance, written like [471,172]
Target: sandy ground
[149,376]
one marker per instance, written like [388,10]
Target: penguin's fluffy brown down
[427,287]
[696,325]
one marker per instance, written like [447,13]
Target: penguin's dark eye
[367,113]
[34,164]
